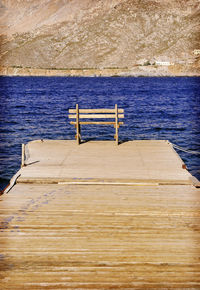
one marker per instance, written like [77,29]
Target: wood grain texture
[73,111]
[100,237]
[95,123]
[96,116]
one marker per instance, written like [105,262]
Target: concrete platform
[145,161]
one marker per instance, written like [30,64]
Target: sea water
[159,108]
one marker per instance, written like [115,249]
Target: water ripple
[155,108]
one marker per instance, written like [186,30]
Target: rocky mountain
[98,33]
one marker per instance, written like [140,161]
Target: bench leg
[78,134]
[116,124]
[116,135]
[78,129]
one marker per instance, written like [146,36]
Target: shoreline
[128,76]
[137,71]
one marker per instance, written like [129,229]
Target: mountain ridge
[98,34]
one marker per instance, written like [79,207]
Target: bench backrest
[89,114]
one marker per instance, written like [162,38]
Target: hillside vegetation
[98,34]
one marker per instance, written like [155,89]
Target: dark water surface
[155,108]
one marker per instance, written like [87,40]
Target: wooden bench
[78,114]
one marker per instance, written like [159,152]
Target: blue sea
[155,108]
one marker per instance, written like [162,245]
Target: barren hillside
[98,33]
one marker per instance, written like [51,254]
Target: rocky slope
[99,33]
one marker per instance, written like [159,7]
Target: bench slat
[99,116]
[96,123]
[73,111]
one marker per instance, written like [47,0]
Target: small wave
[20,107]
[155,108]
[175,129]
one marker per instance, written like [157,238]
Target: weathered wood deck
[123,228]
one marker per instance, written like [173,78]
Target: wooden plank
[116,124]
[97,116]
[77,126]
[96,123]
[100,181]
[73,111]
[98,237]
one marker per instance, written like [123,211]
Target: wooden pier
[101,216]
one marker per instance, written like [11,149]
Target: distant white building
[181,61]
[196,51]
[163,63]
